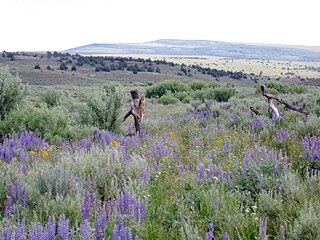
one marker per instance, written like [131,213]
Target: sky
[57,25]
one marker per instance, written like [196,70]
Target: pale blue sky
[40,25]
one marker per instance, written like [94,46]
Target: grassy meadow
[203,166]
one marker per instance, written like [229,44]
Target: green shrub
[223,94]
[160,89]
[105,106]
[198,85]
[51,98]
[213,85]
[45,122]
[307,226]
[168,99]
[184,97]
[278,88]
[11,91]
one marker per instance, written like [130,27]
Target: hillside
[205,48]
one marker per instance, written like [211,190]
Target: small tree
[11,91]
[63,66]
[37,67]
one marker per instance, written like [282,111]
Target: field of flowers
[210,172]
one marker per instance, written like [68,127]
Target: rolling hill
[205,48]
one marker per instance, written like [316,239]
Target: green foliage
[160,89]
[45,122]
[184,97]
[168,99]
[223,94]
[249,183]
[11,91]
[278,88]
[219,94]
[51,98]
[104,107]
[307,226]
[198,85]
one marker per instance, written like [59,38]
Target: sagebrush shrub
[160,89]
[105,107]
[168,99]
[51,98]
[11,91]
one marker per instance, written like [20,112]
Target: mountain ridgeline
[205,48]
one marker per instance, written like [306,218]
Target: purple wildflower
[63,228]
[263,229]
[225,236]
[51,228]
[86,208]
[200,173]
[85,231]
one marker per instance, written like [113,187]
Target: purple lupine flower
[155,166]
[85,210]
[85,231]
[20,232]
[311,147]
[101,223]
[282,135]
[263,229]
[200,173]
[228,178]
[63,228]
[51,228]
[146,174]
[36,232]
[209,155]
[276,169]
[6,234]
[8,207]
[129,234]
[123,234]
[10,190]
[226,147]
[17,191]
[209,234]
[24,197]
[281,189]
[225,236]
[115,233]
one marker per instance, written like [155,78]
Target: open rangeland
[202,167]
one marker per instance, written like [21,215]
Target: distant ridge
[179,47]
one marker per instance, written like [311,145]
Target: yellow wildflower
[172,135]
[44,154]
[115,144]
[33,152]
